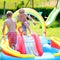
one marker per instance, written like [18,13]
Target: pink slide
[20,44]
[31,47]
[38,44]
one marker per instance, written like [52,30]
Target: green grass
[1,24]
[53,32]
[50,32]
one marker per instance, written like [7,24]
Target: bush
[2,11]
[46,11]
[58,17]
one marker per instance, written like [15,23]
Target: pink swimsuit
[12,37]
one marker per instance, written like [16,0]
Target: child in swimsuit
[11,25]
[22,17]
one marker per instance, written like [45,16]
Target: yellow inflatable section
[57,42]
[35,14]
[9,51]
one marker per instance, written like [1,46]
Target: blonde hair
[9,13]
[21,10]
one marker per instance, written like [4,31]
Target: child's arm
[31,19]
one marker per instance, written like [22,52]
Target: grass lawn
[50,32]
[1,24]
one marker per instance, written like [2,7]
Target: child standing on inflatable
[11,25]
[22,17]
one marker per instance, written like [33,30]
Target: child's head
[9,14]
[21,10]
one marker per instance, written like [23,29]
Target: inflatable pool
[32,47]
[33,51]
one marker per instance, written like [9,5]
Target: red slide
[20,44]
[38,44]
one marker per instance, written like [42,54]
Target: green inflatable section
[52,16]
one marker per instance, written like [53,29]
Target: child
[22,17]
[11,25]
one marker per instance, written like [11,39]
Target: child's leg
[10,40]
[12,37]
[27,26]
[24,29]
[14,40]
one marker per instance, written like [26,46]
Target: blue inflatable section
[40,13]
[5,57]
[46,56]
[29,44]
[48,48]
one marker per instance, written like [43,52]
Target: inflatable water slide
[32,47]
